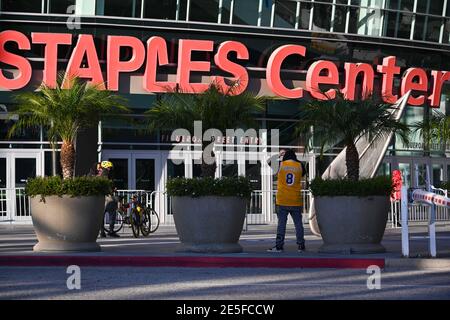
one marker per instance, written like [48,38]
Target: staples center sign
[154,54]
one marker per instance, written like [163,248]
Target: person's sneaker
[113,235]
[301,248]
[275,249]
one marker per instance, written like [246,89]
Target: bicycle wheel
[146,223]
[154,218]
[135,223]
[118,225]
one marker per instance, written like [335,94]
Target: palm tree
[434,129]
[342,120]
[215,108]
[65,112]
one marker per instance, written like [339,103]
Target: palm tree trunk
[67,159]
[352,161]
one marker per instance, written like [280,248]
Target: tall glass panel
[305,15]
[2,172]
[145,174]
[398,23]
[121,8]
[60,6]
[120,173]
[340,16]
[34,6]
[285,14]
[226,11]
[322,16]
[204,10]
[438,174]
[229,168]
[160,9]
[246,12]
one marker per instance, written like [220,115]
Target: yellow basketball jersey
[289,184]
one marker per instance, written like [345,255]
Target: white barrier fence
[434,202]
[15,207]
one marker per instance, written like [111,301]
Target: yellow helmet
[106,164]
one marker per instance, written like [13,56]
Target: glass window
[60,6]
[253,173]
[160,9]
[340,17]
[49,163]
[433,29]
[446,37]
[120,173]
[204,10]
[430,6]
[322,16]
[22,5]
[226,10]
[399,24]
[122,8]
[305,15]
[145,174]
[229,168]
[285,14]
[246,12]
[437,7]
[2,172]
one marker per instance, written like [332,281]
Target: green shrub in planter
[207,186]
[73,187]
[378,186]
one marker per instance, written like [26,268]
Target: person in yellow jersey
[289,199]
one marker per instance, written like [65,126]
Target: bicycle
[141,219]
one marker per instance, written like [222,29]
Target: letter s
[21,63]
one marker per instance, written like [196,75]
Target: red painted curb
[188,262]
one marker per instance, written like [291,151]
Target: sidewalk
[163,249]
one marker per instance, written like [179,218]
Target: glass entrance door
[24,167]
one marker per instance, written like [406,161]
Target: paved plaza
[414,278]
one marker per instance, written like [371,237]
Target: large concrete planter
[352,224]
[209,224]
[67,224]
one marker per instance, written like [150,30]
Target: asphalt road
[221,284]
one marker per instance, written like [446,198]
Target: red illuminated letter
[240,75]
[21,63]
[389,70]
[352,71]
[440,77]
[274,67]
[85,46]
[115,66]
[51,41]
[314,79]
[186,65]
[409,84]
[156,55]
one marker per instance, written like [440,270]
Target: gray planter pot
[209,224]
[352,224]
[67,224]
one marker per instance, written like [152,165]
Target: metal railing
[14,205]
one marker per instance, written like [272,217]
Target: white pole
[432,231]
[404,212]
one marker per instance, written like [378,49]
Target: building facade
[267,38]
